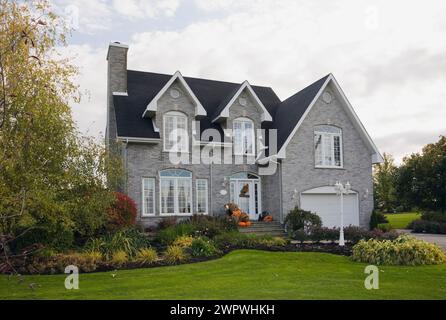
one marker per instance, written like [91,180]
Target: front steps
[273,228]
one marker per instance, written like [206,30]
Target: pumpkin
[244,217]
[242,224]
[268,218]
[248,223]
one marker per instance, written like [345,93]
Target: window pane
[148,196]
[167,196]
[202,195]
[327,151]
[243,137]
[318,149]
[327,129]
[337,151]
[184,196]
[175,133]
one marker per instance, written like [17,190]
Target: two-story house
[191,145]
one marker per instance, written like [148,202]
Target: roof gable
[311,94]
[153,104]
[223,109]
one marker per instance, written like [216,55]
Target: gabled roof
[214,96]
[305,99]
[223,109]
[153,104]
[142,87]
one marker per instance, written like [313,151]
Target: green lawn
[243,274]
[401,220]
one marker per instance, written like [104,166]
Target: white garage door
[326,204]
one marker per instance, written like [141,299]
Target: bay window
[328,146]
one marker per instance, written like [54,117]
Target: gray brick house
[191,145]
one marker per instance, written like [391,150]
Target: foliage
[233,239]
[420,226]
[421,179]
[352,234]
[300,219]
[183,241]
[404,250]
[384,185]
[377,218]
[146,256]
[175,254]
[270,241]
[210,226]
[119,258]
[167,222]
[128,241]
[51,178]
[122,213]
[203,247]
[434,216]
[168,235]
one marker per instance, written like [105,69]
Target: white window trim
[165,136]
[176,211]
[207,195]
[332,135]
[143,213]
[244,120]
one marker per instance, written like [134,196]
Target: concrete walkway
[439,239]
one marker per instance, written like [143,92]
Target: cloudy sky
[388,56]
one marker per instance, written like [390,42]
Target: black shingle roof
[142,87]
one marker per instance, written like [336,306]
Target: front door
[246,194]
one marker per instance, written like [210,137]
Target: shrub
[168,235]
[420,226]
[183,241]
[122,213]
[354,234]
[377,218]
[229,239]
[300,235]
[95,256]
[269,241]
[146,256]
[210,226]
[434,216]
[202,247]
[119,258]
[59,238]
[175,254]
[300,219]
[167,222]
[384,227]
[318,234]
[404,250]
[84,261]
[129,241]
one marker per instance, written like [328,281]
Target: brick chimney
[116,82]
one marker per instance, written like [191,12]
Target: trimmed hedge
[421,226]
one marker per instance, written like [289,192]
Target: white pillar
[341,229]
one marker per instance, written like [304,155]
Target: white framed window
[175,192]
[244,137]
[328,146]
[176,137]
[202,195]
[148,196]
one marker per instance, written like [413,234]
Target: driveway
[439,239]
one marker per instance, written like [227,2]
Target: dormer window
[176,137]
[328,146]
[244,137]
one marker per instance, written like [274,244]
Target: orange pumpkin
[248,223]
[268,218]
[242,224]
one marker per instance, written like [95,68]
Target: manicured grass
[242,274]
[401,220]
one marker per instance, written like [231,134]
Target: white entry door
[246,194]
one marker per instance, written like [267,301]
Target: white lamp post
[341,190]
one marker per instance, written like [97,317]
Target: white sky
[388,56]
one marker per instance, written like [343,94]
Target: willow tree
[51,178]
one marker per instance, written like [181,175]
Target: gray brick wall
[299,172]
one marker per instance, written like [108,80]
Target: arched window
[175,192]
[328,146]
[244,137]
[176,137]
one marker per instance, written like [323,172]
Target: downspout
[125,166]
[210,184]
[280,192]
